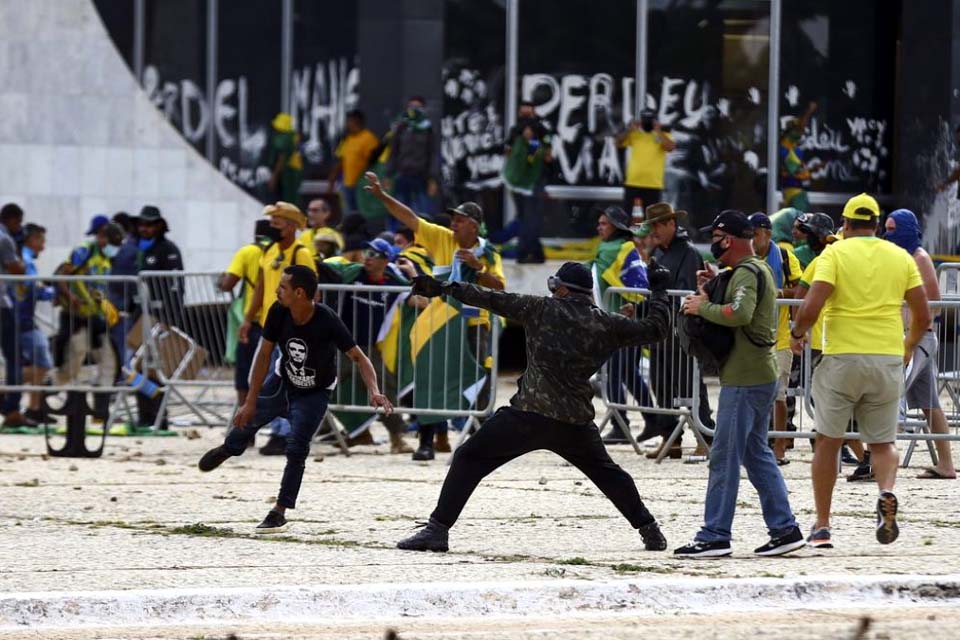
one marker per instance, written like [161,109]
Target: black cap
[617,217]
[760,220]
[734,223]
[470,209]
[150,213]
[575,276]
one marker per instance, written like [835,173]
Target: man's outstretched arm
[514,306]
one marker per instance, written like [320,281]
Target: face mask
[273,234]
[717,250]
[646,124]
[111,251]
[146,245]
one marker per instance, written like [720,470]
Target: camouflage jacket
[568,340]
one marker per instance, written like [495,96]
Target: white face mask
[111,250]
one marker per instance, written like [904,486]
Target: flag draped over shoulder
[618,264]
[447,374]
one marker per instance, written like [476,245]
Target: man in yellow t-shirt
[245,267]
[649,145]
[860,285]
[353,156]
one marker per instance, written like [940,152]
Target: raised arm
[397,209]
[514,306]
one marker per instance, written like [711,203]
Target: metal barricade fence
[190,325]
[638,372]
[62,338]
[435,359]
[663,380]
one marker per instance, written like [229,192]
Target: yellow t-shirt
[863,314]
[790,277]
[245,265]
[273,266]
[648,159]
[816,331]
[354,152]
[439,242]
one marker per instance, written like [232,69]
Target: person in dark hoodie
[671,373]
[157,253]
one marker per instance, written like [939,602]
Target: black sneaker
[887,529]
[423,453]
[863,472]
[697,549]
[819,538]
[653,539]
[275,522]
[276,446]
[432,537]
[790,541]
[213,458]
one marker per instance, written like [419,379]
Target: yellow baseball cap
[855,206]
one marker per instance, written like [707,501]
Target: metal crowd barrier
[435,359]
[63,337]
[188,324]
[642,372]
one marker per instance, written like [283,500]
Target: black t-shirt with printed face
[307,351]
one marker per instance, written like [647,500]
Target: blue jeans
[304,410]
[743,419]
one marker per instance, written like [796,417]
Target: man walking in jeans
[748,386]
[568,340]
[298,388]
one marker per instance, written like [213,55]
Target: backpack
[711,343]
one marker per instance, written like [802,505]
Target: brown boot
[398,445]
[675,453]
[442,443]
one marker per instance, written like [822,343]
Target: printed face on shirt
[298,374]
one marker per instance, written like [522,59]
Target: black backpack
[711,343]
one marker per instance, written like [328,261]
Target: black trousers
[509,434]
[647,197]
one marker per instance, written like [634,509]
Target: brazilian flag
[447,374]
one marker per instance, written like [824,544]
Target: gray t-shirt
[8,253]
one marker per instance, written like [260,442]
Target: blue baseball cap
[96,223]
[382,247]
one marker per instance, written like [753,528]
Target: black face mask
[646,124]
[717,250]
[273,234]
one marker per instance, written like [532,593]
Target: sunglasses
[370,253]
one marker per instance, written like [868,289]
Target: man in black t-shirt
[298,388]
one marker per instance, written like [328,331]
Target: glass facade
[704,65]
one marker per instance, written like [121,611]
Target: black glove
[658,277]
[427,287]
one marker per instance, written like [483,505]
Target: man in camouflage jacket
[568,340]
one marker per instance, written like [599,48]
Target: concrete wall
[78,137]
